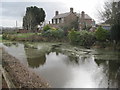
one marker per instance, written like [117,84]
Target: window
[57,20]
[53,21]
[62,20]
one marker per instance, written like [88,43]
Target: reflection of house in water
[35,58]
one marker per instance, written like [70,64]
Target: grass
[0,38]
[24,35]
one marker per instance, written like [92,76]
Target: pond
[66,66]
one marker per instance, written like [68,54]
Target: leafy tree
[33,17]
[111,15]
[101,34]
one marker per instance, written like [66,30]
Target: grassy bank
[79,38]
[33,37]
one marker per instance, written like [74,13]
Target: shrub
[83,38]
[54,33]
[46,33]
[86,38]
[57,33]
[73,36]
[47,27]
[102,34]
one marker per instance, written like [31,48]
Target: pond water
[66,66]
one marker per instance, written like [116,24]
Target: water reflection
[11,44]
[35,58]
[17,50]
[65,69]
[113,71]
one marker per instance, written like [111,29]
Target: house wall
[58,22]
[70,18]
[87,22]
[67,20]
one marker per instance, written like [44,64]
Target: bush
[47,27]
[87,38]
[102,34]
[54,33]
[73,36]
[57,33]
[83,38]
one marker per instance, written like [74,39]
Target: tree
[33,17]
[101,34]
[111,15]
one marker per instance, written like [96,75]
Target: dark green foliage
[53,33]
[33,17]
[111,15]
[83,38]
[57,33]
[115,32]
[73,36]
[102,34]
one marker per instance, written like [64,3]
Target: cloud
[16,10]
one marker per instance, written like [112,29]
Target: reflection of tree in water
[71,57]
[35,57]
[9,44]
[37,61]
[57,51]
[113,73]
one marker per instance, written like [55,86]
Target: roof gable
[86,16]
[61,15]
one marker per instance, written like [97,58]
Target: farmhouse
[66,19]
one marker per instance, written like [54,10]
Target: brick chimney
[56,13]
[71,10]
[82,14]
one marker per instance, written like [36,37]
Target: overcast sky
[14,10]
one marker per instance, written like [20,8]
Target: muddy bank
[20,75]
